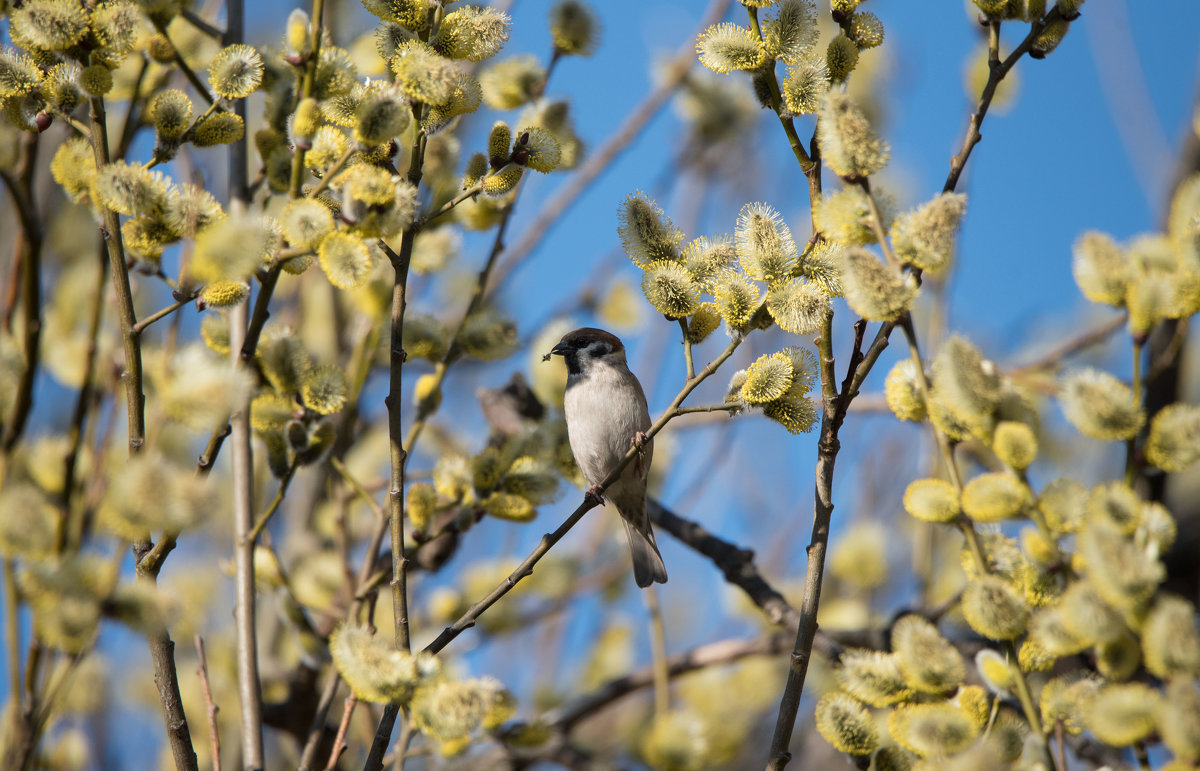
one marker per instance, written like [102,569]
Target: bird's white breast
[605,407]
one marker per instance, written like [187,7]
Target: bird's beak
[560,349]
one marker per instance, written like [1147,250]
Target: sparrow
[606,415]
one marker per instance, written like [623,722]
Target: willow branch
[736,564]
[162,648]
[832,416]
[210,706]
[158,315]
[996,72]
[658,655]
[28,253]
[711,654]
[83,403]
[1052,359]
[307,84]
[186,69]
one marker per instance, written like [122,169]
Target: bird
[607,414]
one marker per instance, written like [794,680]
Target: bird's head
[584,348]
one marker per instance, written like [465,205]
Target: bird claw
[639,442]
[593,494]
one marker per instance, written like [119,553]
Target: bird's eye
[579,343]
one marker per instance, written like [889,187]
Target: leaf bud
[427,394]
[932,500]
[499,144]
[873,290]
[1122,714]
[171,112]
[297,37]
[846,724]
[647,234]
[1015,444]
[933,730]
[1100,406]
[503,181]
[1174,441]
[866,30]
[1050,37]
[574,27]
[727,47]
[668,287]
[928,661]
[306,122]
[236,71]
[477,168]
[994,609]
[1170,640]
[96,79]
[873,677]
[840,58]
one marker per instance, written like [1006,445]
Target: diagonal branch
[734,562]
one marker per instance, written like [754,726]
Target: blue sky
[1089,143]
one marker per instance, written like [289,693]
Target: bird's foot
[639,443]
[593,494]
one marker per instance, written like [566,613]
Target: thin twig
[731,408]
[689,366]
[997,70]
[265,517]
[187,70]
[12,634]
[83,403]
[711,654]
[339,742]
[877,222]
[833,414]
[162,648]
[246,608]
[210,706]
[1053,358]
[307,84]
[29,255]
[192,18]
[332,172]
[158,315]
[308,755]
[658,655]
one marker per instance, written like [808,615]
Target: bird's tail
[648,564]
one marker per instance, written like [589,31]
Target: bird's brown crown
[579,338]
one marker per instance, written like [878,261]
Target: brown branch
[1052,359]
[209,706]
[316,728]
[83,403]
[339,743]
[711,654]
[833,414]
[162,648]
[997,70]
[735,563]
[27,254]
